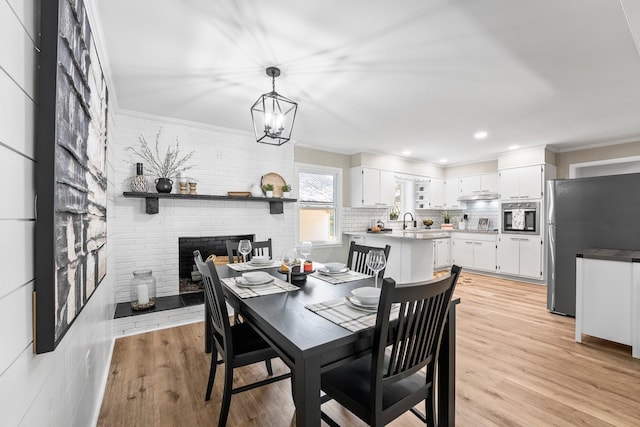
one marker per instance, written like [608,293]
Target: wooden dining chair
[257,248]
[399,373]
[238,345]
[357,259]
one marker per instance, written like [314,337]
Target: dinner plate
[239,281]
[354,303]
[252,262]
[331,273]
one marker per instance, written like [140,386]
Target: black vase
[164,185]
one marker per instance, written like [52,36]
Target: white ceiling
[387,76]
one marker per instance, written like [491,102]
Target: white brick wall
[225,160]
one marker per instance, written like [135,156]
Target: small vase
[256,191]
[286,194]
[139,183]
[164,185]
[268,193]
[142,290]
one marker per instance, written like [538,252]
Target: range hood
[479,196]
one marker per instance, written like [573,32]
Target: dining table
[311,344]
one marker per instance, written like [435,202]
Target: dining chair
[257,248]
[357,259]
[399,373]
[238,345]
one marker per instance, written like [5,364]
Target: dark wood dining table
[310,344]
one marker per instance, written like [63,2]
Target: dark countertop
[610,254]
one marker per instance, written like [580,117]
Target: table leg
[446,415]
[307,392]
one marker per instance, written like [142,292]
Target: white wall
[64,387]
[225,160]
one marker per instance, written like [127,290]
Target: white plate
[240,282]
[354,303]
[331,273]
[255,262]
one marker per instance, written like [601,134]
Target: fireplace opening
[190,280]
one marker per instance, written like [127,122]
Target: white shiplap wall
[64,387]
[225,160]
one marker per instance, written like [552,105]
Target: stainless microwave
[521,218]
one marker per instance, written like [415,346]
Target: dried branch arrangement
[168,166]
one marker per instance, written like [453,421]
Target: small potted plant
[393,215]
[286,191]
[446,217]
[268,190]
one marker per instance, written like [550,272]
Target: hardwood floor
[517,365]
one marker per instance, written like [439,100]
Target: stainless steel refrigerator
[598,212]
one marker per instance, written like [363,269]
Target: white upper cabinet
[372,187]
[452,190]
[479,184]
[522,183]
[436,194]
[470,185]
[489,183]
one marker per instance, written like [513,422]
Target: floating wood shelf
[152,204]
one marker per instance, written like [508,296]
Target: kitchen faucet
[404,220]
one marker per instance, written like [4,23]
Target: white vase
[269,193]
[256,190]
[286,194]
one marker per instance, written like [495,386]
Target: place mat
[338,312]
[334,279]
[276,287]
[247,266]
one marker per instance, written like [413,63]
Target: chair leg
[430,409]
[212,373]
[269,367]
[226,395]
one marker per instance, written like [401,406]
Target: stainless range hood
[479,196]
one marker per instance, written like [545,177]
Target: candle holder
[142,290]
[192,187]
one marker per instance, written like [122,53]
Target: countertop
[610,254]
[418,233]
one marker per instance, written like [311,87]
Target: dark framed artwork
[71,179]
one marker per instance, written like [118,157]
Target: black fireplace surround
[206,245]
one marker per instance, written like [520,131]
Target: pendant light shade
[273,115]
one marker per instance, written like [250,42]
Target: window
[318,198]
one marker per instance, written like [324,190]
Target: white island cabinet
[608,296]
[411,255]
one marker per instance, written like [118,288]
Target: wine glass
[288,260]
[376,261]
[305,250]
[244,247]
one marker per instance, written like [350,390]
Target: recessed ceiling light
[443,160]
[514,147]
[406,153]
[481,134]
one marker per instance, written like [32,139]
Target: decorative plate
[276,180]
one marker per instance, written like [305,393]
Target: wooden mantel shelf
[152,205]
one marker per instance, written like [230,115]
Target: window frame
[337,200]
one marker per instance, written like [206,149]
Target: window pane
[316,188]
[317,224]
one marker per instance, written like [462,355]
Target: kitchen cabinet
[478,184]
[452,192]
[410,258]
[441,253]
[520,255]
[422,193]
[372,187]
[522,183]
[436,193]
[474,250]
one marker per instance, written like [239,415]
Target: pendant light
[273,114]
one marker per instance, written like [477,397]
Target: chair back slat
[218,314]
[412,342]
[357,259]
[257,248]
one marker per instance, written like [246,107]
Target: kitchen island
[411,255]
[608,296]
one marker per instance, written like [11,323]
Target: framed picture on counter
[483,224]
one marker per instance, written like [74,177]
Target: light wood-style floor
[517,365]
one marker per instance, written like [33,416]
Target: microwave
[521,218]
